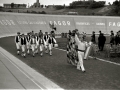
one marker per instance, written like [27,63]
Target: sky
[45,2]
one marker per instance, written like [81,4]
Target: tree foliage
[117,7]
[89,4]
[12,5]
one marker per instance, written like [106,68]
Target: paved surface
[99,74]
[12,78]
[14,74]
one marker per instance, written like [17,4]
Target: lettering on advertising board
[11,22]
[88,23]
[114,24]
[7,22]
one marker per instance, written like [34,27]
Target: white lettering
[110,23]
[59,23]
[100,23]
[64,23]
[55,23]
[68,22]
[1,23]
[12,22]
[114,24]
[4,22]
[118,24]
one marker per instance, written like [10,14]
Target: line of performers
[35,42]
[76,49]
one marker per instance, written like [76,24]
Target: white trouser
[28,45]
[45,45]
[80,62]
[33,47]
[36,46]
[18,45]
[41,47]
[23,48]
[50,46]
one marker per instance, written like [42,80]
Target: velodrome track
[99,75]
[55,71]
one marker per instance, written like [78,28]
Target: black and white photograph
[59,44]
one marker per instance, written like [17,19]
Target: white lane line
[21,71]
[106,61]
[96,58]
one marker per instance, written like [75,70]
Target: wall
[11,23]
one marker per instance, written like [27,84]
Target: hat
[18,32]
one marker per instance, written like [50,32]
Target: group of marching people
[35,43]
[76,47]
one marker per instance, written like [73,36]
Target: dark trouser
[101,46]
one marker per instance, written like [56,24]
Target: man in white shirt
[81,51]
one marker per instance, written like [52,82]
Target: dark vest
[41,41]
[45,37]
[28,38]
[17,39]
[23,41]
[37,38]
[51,40]
[33,42]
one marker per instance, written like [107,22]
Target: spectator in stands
[112,38]
[93,37]
[101,41]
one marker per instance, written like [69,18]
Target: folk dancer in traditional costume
[23,44]
[45,39]
[17,42]
[33,42]
[81,50]
[37,43]
[28,37]
[41,44]
[51,43]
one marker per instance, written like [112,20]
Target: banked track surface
[11,23]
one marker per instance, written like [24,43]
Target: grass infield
[99,75]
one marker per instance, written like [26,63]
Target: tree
[12,5]
[109,3]
[42,6]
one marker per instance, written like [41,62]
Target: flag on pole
[52,26]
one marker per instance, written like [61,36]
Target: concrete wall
[11,23]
